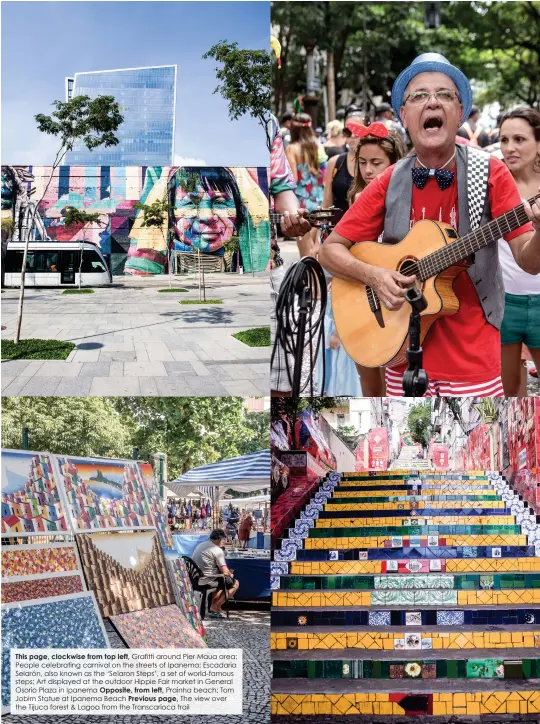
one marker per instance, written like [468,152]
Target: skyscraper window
[147,97]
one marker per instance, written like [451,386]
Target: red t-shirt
[463,347]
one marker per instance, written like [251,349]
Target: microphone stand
[415,379]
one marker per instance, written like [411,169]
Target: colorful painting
[69,622]
[32,560]
[126,571]
[221,211]
[184,594]
[111,494]
[31,501]
[157,628]
[41,588]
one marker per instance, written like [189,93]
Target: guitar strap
[477,184]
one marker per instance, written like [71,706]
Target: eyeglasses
[419,98]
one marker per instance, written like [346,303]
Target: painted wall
[214,209]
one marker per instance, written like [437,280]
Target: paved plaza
[132,340]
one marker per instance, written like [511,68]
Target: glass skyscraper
[147,97]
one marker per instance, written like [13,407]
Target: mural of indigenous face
[206,209]
[221,211]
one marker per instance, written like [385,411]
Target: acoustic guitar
[374,336]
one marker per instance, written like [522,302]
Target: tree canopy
[419,423]
[192,431]
[245,77]
[495,44]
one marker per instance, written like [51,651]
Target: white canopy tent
[248,473]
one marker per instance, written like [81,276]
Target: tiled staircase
[399,595]
[407,460]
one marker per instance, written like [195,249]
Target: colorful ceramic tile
[427,643]
[397,671]
[126,570]
[435,564]
[379,618]
[363,555]
[485,669]
[399,644]
[415,541]
[413,618]
[33,560]
[186,599]
[429,671]
[31,499]
[333,555]
[451,618]
[413,640]
[413,670]
[157,628]
[391,566]
[433,541]
[397,542]
[41,588]
[110,494]
[69,622]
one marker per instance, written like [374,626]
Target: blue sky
[42,42]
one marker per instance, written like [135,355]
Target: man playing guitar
[462,349]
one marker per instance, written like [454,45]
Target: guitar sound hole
[407,268]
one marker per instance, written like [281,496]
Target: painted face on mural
[204,219]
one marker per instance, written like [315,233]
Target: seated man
[210,558]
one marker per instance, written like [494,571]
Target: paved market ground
[249,630]
[131,340]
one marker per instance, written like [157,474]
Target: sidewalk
[132,340]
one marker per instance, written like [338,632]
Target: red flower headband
[379,130]
[307,124]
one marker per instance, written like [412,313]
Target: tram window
[47,261]
[92,263]
[68,261]
[14,261]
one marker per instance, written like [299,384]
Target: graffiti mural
[217,210]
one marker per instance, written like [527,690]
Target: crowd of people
[433,129]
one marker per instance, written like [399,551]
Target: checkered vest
[474,210]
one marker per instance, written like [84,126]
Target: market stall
[246,474]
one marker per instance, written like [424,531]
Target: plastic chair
[207,589]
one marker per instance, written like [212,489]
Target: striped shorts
[438,388]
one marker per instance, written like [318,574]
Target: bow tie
[421,175]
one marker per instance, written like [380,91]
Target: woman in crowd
[336,139]
[520,146]
[376,148]
[307,160]
[341,169]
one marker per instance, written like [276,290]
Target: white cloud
[184,161]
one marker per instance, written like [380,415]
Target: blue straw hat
[432,63]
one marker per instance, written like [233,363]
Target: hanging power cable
[300,310]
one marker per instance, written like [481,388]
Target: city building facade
[147,97]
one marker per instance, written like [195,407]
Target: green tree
[419,423]
[155,215]
[246,80]
[350,435]
[92,121]
[258,423]
[191,430]
[495,44]
[86,426]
